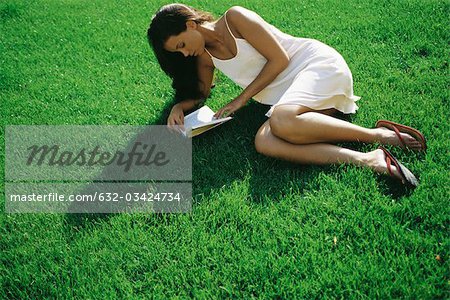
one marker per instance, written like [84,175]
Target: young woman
[305,81]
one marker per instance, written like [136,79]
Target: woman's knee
[282,122]
[260,144]
[263,140]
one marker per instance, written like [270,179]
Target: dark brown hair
[171,20]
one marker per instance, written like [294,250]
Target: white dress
[317,75]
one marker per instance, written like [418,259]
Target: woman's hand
[231,107]
[176,117]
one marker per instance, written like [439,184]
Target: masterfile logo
[53,155]
[73,168]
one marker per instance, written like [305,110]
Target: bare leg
[319,154]
[301,125]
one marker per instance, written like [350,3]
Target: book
[200,121]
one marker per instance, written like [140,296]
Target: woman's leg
[319,154]
[302,125]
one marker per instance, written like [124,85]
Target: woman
[305,81]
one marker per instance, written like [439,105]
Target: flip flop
[408,177]
[397,128]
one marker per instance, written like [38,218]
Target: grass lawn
[259,227]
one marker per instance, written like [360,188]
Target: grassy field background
[259,227]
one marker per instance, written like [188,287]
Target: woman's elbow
[204,90]
[206,93]
[281,63]
[284,62]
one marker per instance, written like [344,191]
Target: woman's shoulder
[237,16]
[237,11]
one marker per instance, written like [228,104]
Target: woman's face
[189,42]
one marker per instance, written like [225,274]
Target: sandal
[397,128]
[408,177]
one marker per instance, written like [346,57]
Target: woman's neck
[211,35]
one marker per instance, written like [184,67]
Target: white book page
[201,117]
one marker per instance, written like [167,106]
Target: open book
[200,121]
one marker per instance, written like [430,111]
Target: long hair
[171,20]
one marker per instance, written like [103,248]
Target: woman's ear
[191,24]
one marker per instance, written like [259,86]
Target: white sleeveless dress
[317,75]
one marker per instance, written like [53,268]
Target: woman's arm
[254,29]
[205,69]
[188,104]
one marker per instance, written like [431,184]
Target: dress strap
[234,38]
[212,57]
[226,22]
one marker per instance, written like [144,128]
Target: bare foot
[377,161]
[389,137]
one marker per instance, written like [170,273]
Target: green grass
[259,227]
